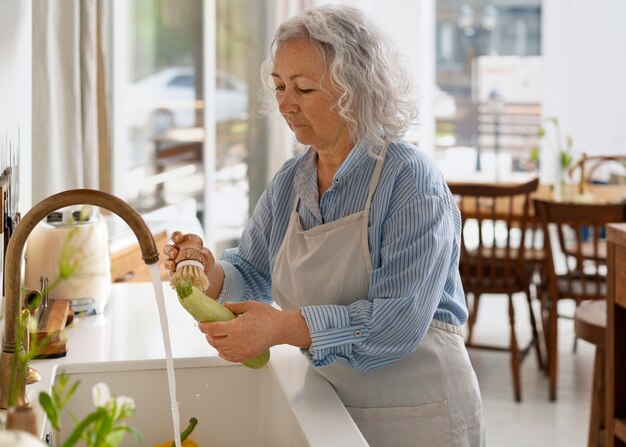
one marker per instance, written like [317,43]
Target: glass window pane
[488,75]
[163,102]
[162,109]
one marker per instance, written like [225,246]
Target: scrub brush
[190,262]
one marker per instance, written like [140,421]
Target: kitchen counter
[129,330]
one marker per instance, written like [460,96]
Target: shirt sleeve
[405,289]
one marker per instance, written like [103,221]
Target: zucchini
[206,310]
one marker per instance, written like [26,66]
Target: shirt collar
[305,181]
[356,156]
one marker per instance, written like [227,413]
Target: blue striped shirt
[414,235]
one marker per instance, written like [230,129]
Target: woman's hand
[212,270]
[258,326]
[171,251]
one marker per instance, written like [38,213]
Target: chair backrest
[495,219]
[583,170]
[576,246]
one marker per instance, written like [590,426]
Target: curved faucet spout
[13,265]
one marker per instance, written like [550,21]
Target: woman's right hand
[213,271]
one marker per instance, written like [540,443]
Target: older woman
[357,241]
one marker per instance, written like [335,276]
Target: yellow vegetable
[186,443]
[205,310]
[184,436]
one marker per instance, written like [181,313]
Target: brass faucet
[13,265]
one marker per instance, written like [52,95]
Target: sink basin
[235,406]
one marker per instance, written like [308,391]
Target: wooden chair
[496,262]
[575,265]
[590,325]
[583,170]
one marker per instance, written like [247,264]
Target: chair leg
[533,325]
[515,357]
[471,320]
[553,351]
[544,315]
[549,315]
[575,344]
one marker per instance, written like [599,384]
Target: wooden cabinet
[127,265]
[616,337]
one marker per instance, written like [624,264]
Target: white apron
[429,398]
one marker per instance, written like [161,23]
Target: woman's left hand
[251,333]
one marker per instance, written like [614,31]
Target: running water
[169,363]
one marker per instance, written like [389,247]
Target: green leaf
[84,213]
[82,427]
[115,438]
[48,406]
[541,132]
[534,154]
[566,159]
[57,390]
[134,432]
[70,393]
[104,426]
[69,261]
[127,429]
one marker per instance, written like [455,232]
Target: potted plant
[550,133]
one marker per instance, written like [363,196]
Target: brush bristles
[193,274]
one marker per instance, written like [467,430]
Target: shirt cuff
[234,286]
[333,336]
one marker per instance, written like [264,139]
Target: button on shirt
[414,235]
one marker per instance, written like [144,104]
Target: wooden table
[615,337]
[596,194]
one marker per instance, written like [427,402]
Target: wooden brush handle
[190,247]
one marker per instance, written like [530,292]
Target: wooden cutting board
[52,322]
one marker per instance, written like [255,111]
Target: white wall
[584,47]
[15,85]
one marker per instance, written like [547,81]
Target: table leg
[596,420]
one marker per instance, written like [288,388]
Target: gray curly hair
[376,97]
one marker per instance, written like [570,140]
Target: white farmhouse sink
[285,403]
[235,406]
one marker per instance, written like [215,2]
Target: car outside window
[182,81]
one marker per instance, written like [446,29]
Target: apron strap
[376,175]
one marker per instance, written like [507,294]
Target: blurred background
[178,84]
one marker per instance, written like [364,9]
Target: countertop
[129,330]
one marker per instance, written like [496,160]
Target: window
[182,81]
[489,71]
[159,151]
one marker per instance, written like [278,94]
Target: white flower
[101,394]
[124,406]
